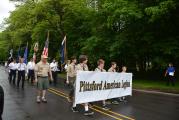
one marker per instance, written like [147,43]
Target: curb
[156,92]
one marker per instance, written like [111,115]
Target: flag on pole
[25,54]
[63,50]
[36,47]
[45,51]
[18,53]
[11,53]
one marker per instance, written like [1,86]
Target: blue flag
[25,54]
[63,51]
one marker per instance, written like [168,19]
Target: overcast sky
[5,8]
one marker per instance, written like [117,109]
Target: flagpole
[45,50]
[35,51]
[65,53]
[25,54]
[18,54]
[66,50]
[48,34]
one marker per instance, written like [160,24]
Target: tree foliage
[133,32]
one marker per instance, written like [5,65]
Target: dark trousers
[12,75]
[54,75]
[21,76]
[1,102]
[72,87]
[31,75]
[170,79]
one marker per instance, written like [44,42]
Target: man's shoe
[106,108]
[74,109]
[44,100]
[88,113]
[120,99]
[38,100]
[115,102]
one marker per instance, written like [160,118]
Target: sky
[5,8]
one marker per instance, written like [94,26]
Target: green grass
[155,85]
[149,85]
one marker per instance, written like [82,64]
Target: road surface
[21,105]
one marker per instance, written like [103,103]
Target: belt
[42,76]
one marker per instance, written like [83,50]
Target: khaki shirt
[82,68]
[100,70]
[71,70]
[42,69]
[111,70]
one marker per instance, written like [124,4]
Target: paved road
[21,105]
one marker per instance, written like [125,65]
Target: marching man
[124,70]
[113,69]
[30,70]
[54,69]
[71,70]
[13,68]
[82,66]
[42,70]
[100,68]
[21,67]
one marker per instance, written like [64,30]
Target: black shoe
[88,113]
[106,108]
[115,102]
[74,109]
[125,101]
[121,100]
[91,104]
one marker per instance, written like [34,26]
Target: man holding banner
[82,66]
[124,70]
[100,68]
[113,69]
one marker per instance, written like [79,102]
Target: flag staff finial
[48,34]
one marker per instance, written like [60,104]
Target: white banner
[96,86]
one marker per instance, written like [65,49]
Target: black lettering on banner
[81,85]
[93,86]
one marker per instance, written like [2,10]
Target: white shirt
[21,66]
[54,66]
[66,66]
[12,66]
[5,64]
[30,66]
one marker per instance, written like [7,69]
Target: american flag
[45,51]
